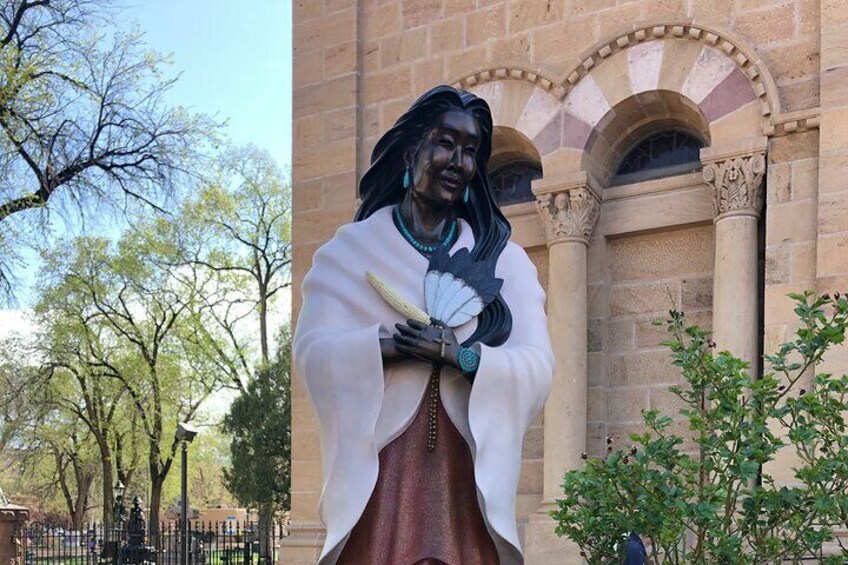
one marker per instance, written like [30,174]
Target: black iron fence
[209,543]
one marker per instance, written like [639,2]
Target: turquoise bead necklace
[420,247]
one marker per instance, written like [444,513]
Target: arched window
[511,182]
[514,163]
[661,154]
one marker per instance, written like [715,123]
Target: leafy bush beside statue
[708,497]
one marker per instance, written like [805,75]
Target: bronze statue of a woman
[423,345]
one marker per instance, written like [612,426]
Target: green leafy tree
[706,498]
[52,448]
[230,246]
[146,315]
[75,464]
[14,410]
[79,356]
[259,422]
[82,114]
[237,227]
[210,457]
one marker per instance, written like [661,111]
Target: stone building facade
[585,95]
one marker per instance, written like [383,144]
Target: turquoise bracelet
[468,360]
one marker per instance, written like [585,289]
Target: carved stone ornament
[12,520]
[737,184]
[568,214]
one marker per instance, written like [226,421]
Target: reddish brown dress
[424,508]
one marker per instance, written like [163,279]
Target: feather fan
[456,289]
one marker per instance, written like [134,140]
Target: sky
[234,59]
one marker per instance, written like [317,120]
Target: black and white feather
[456,288]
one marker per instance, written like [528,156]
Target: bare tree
[239,224]
[83,111]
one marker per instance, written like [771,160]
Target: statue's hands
[389,351]
[433,343]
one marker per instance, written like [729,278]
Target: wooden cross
[441,341]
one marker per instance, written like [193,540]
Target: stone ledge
[541,544]
[303,545]
[794,122]
[578,179]
[13,513]
[737,148]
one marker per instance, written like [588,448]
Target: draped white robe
[362,406]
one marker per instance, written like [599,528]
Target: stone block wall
[792,224]
[645,276]
[411,45]
[533,455]
[358,64]
[832,236]
[791,216]
[326,111]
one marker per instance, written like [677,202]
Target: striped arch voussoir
[511,73]
[745,59]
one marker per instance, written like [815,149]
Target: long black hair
[382,186]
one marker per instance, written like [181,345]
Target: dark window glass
[511,182]
[659,155]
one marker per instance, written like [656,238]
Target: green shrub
[706,497]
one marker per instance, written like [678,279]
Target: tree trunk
[83,490]
[263,322]
[266,533]
[84,478]
[108,487]
[76,501]
[124,475]
[155,506]
[61,471]
[127,457]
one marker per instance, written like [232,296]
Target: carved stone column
[568,212]
[735,176]
[12,520]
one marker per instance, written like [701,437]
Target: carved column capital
[568,212]
[737,182]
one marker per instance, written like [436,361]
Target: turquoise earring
[407,179]
[466,195]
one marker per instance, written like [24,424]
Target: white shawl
[361,406]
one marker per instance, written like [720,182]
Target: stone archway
[717,72]
[523,102]
[644,61]
[656,74]
[634,118]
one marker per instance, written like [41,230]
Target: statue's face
[447,158]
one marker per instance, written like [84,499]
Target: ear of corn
[396,300]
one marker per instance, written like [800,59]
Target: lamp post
[185,434]
[118,513]
[118,521]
